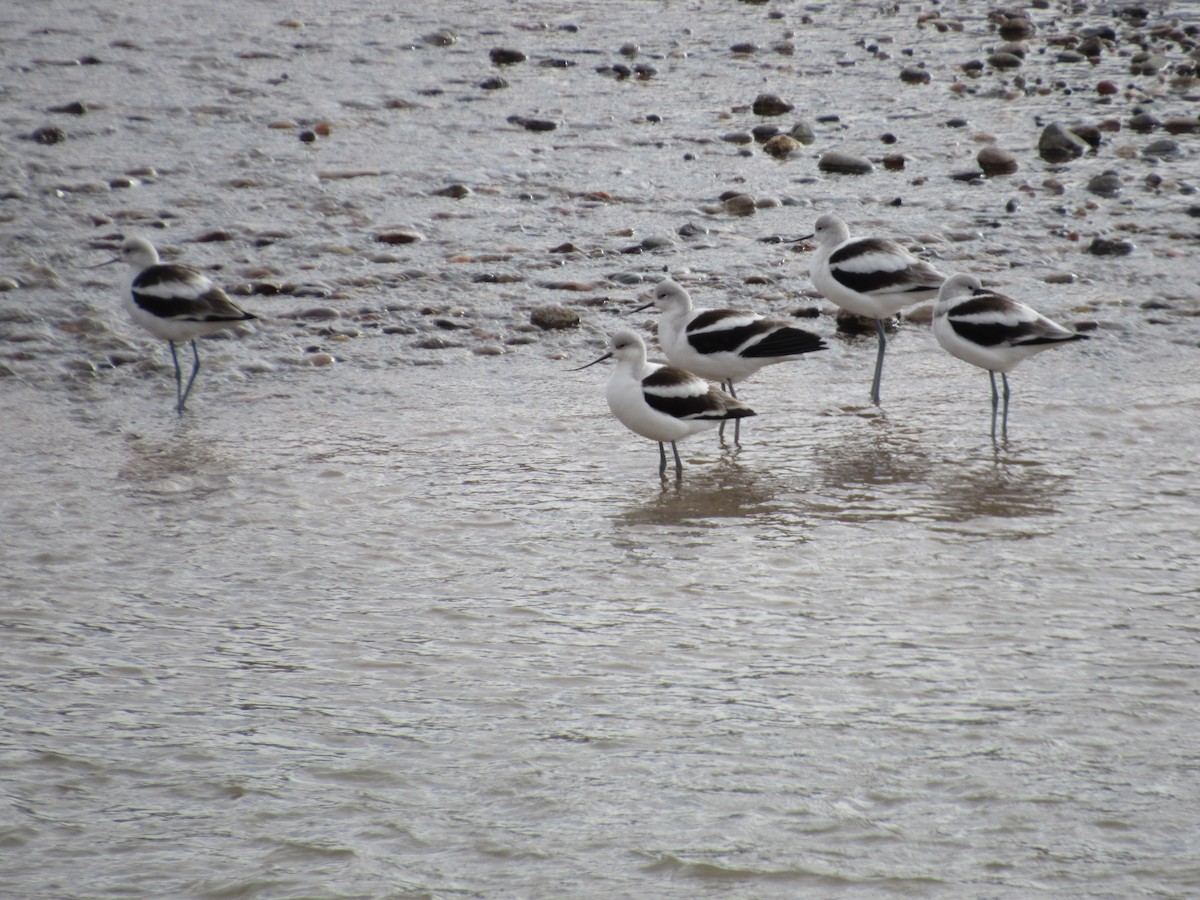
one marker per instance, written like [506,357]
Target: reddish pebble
[1107,88]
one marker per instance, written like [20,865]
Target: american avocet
[174,303]
[992,331]
[723,345]
[663,403]
[871,277]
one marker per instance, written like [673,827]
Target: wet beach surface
[398,609]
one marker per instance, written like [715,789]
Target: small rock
[495,83]
[1107,88]
[533,124]
[1143,122]
[318,359]
[1109,247]
[844,163]
[915,75]
[72,109]
[1057,144]
[894,162]
[502,56]
[995,161]
[1061,278]
[803,132]
[763,133]
[1181,125]
[400,236]
[1107,184]
[1164,149]
[1090,134]
[1004,60]
[739,205]
[49,134]
[1016,28]
[771,105]
[554,317]
[738,137]
[745,48]
[781,146]
[455,191]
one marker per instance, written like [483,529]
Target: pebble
[1004,60]
[843,163]
[1057,144]
[803,132]
[771,105]
[915,75]
[400,236]
[1164,149]
[48,134]
[8,284]
[1110,247]
[1181,125]
[503,56]
[738,137]
[1107,184]
[782,146]
[1061,278]
[995,161]
[318,359]
[530,124]
[554,317]
[739,205]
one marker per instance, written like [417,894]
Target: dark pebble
[915,75]
[1004,61]
[307,137]
[1108,247]
[771,105]
[894,162]
[844,163]
[71,109]
[49,135]
[533,124]
[763,133]
[554,317]
[502,56]
[956,123]
[493,84]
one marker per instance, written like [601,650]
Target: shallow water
[425,622]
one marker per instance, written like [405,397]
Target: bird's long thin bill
[107,262]
[640,308]
[807,237]
[593,362]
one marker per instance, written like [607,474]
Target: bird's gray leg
[192,380]
[879,329]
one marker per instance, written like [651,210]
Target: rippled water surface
[422,621]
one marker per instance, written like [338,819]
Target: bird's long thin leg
[737,423]
[879,329]
[678,461]
[178,378]
[995,402]
[721,430]
[662,460]
[1004,421]
[192,380]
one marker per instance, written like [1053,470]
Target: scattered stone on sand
[531,124]
[1110,247]
[554,317]
[76,108]
[454,191]
[1107,184]
[843,163]
[400,236]
[915,75]
[771,105]
[494,83]
[782,146]
[504,56]
[1003,60]
[803,132]
[995,161]
[738,137]
[738,204]
[48,134]
[1163,149]
[1058,144]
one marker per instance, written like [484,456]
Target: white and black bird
[992,331]
[174,303]
[723,345]
[870,277]
[662,403]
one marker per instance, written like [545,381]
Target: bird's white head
[829,230]
[139,253]
[960,285]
